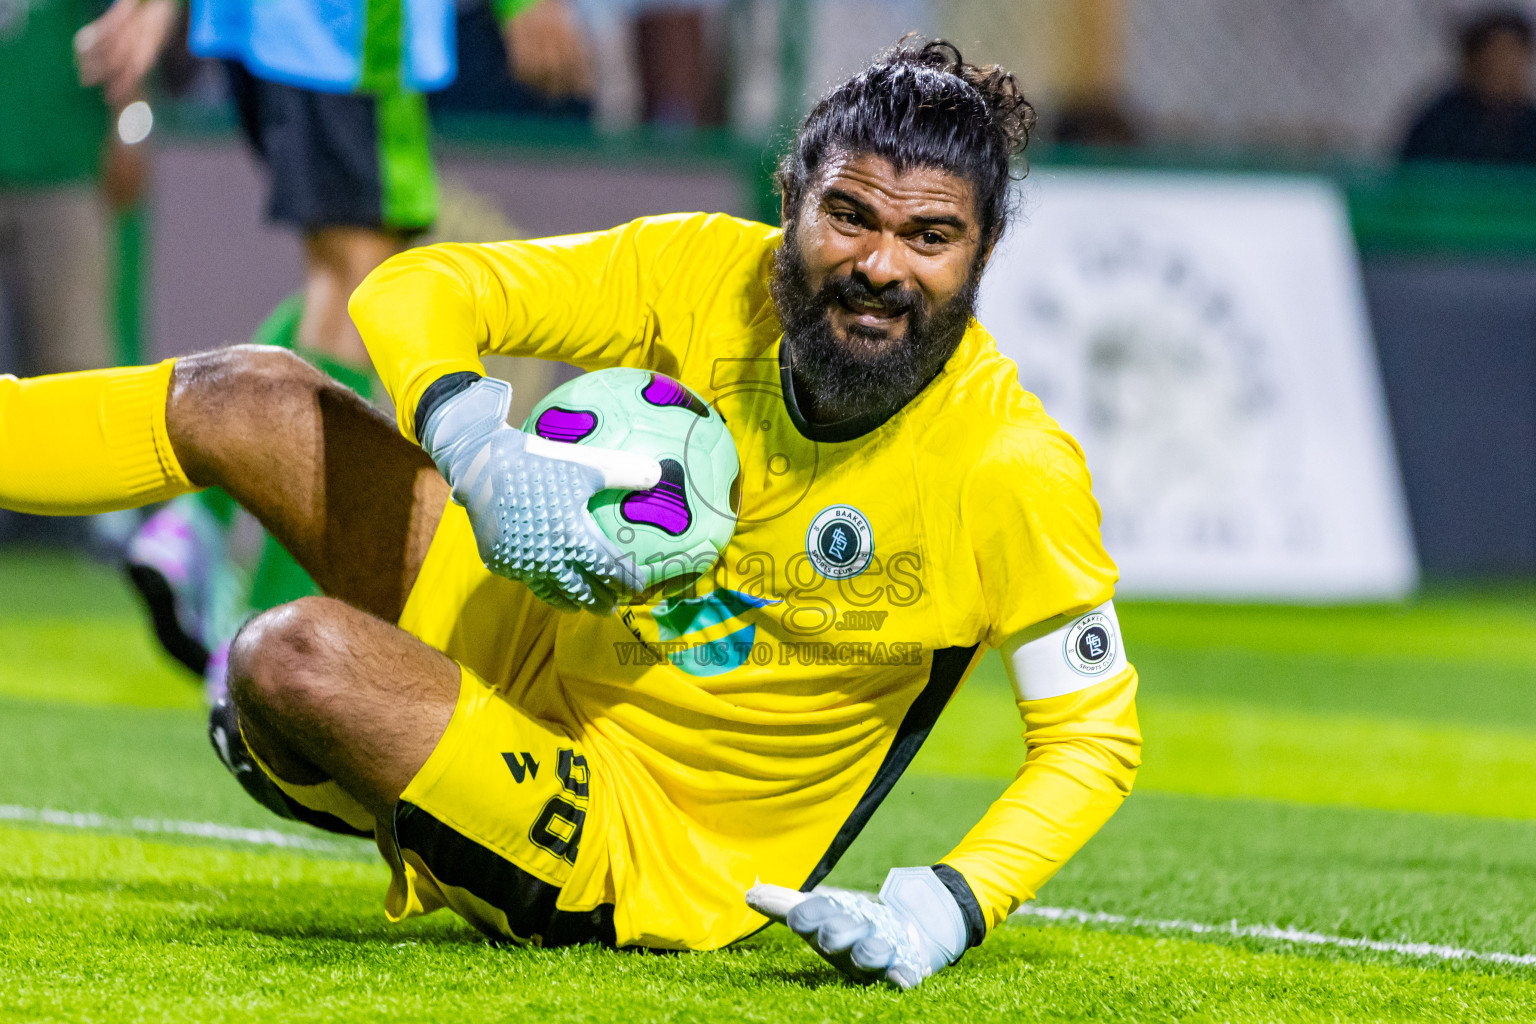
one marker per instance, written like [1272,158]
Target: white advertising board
[1204,337]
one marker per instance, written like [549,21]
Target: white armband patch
[1084,652]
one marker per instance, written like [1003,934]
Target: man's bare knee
[282,665]
[246,368]
[324,690]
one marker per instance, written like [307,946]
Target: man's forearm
[434,311]
[1084,751]
[419,318]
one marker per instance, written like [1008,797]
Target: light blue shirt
[324,45]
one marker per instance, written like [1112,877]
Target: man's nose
[883,262]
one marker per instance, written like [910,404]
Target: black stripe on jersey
[944,675]
[529,902]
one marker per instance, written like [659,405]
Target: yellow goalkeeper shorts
[492,824]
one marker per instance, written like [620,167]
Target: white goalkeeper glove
[527,498]
[913,929]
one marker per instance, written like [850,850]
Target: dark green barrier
[1445,209]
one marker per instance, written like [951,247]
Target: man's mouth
[869,311]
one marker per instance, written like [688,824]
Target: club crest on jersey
[840,542]
[1090,644]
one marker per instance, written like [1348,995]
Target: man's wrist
[960,889]
[438,392]
[920,897]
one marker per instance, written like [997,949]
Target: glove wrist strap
[438,392]
[960,889]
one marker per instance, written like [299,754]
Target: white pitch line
[287,840]
[167,826]
[1270,931]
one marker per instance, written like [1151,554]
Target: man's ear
[988,247]
[789,198]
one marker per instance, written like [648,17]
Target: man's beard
[832,381]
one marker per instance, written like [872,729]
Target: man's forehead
[875,180]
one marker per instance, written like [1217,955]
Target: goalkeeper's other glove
[527,497]
[914,928]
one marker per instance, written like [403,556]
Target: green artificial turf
[120,929]
[1359,772]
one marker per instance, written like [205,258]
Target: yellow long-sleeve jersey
[866,577]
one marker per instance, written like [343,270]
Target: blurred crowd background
[1420,111]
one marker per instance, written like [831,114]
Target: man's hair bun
[1012,115]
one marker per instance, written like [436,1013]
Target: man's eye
[845,216]
[932,238]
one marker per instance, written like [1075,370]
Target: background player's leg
[336,261]
[180,560]
[327,692]
[326,474]
[63,270]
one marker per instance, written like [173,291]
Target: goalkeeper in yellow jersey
[468,693]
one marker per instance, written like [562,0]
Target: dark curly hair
[921,105]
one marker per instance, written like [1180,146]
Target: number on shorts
[558,827]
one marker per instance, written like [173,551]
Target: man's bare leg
[325,691]
[326,688]
[324,472]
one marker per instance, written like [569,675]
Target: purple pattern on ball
[662,506]
[664,391]
[556,424]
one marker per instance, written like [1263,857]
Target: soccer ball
[676,530]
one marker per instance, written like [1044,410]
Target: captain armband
[1080,654]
